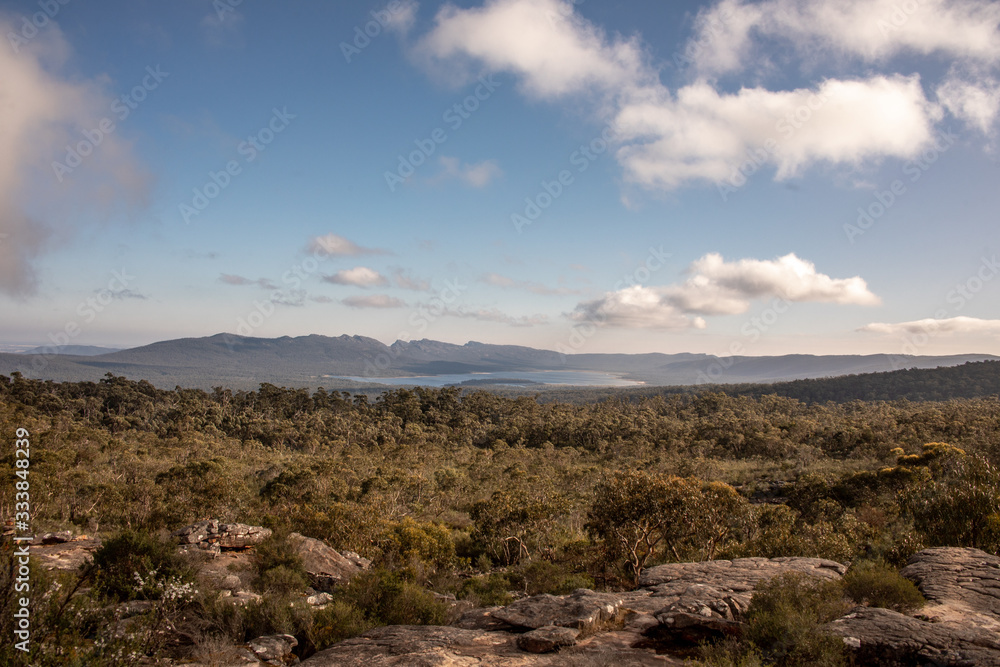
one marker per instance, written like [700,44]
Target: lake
[527,378]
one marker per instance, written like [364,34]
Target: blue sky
[734,177]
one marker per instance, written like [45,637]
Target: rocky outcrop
[684,601]
[961,586]
[687,602]
[438,646]
[325,566]
[959,627]
[211,535]
[547,639]
[884,637]
[738,575]
[405,645]
[65,555]
[275,649]
[583,610]
[692,602]
[58,537]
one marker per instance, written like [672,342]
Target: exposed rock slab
[547,639]
[58,537]
[739,574]
[582,609]
[65,555]
[482,618]
[696,601]
[436,646]
[419,646]
[962,586]
[325,565]
[884,637]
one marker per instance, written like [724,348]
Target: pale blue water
[575,378]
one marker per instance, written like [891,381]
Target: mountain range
[241,362]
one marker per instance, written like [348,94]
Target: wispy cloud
[718,287]
[291,297]
[373,301]
[333,245]
[952,325]
[359,276]
[498,316]
[476,175]
[223,27]
[123,294]
[404,280]
[498,280]
[233,279]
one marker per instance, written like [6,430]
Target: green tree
[635,513]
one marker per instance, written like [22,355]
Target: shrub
[408,541]
[543,576]
[492,590]
[282,580]
[131,565]
[386,598]
[729,653]
[339,620]
[785,617]
[271,614]
[877,584]
[279,567]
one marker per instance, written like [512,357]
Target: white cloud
[555,51]
[43,113]
[359,276]
[665,139]
[787,277]
[975,103]
[334,245]
[477,175]
[373,301]
[953,325]
[872,30]
[700,133]
[717,287]
[636,307]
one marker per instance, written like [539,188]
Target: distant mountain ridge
[242,362]
[74,350]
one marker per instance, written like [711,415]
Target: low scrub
[876,584]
